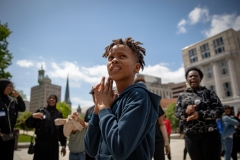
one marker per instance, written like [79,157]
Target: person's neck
[51,107]
[122,85]
[196,88]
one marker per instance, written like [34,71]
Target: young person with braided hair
[123,125]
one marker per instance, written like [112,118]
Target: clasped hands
[103,95]
[192,114]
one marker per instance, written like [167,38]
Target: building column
[232,74]
[203,82]
[218,85]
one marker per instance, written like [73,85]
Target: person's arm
[123,135]
[32,122]
[215,109]
[180,112]
[164,134]
[92,136]
[62,139]
[229,120]
[20,104]
[75,116]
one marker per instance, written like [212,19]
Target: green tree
[5,55]
[64,108]
[21,121]
[171,116]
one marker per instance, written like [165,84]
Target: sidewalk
[177,146]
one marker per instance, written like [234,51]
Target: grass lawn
[24,138]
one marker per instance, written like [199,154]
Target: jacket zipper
[10,127]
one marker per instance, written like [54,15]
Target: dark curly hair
[135,47]
[194,69]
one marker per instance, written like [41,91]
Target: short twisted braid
[135,47]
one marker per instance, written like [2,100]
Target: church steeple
[67,96]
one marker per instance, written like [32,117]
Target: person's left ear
[137,68]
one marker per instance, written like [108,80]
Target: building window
[157,92]
[227,89]
[209,71]
[205,50]
[212,88]
[223,67]
[218,45]
[193,55]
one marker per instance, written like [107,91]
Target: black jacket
[209,109]
[9,114]
[43,128]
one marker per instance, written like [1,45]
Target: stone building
[218,57]
[154,85]
[40,93]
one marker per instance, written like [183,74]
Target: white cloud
[181,26]
[218,23]
[77,73]
[93,75]
[24,63]
[223,22]
[29,63]
[82,102]
[198,14]
[165,73]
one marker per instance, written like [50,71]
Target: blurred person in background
[9,108]
[228,123]
[169,131]
[76,140]
[47,133]
[161,136]
[236,138]
[88,117]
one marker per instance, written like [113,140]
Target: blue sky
[69,37]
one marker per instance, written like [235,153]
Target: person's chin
[194,86]
[113,77]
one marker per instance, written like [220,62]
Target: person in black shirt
[161,137]
[48,134]
[87,118]
[199,107]
[9,108]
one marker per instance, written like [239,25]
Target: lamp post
[40,81]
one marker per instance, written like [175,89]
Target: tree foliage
[21,121]
[64,108]
[171,116]
[5,55]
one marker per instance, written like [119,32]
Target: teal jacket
[127,130]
